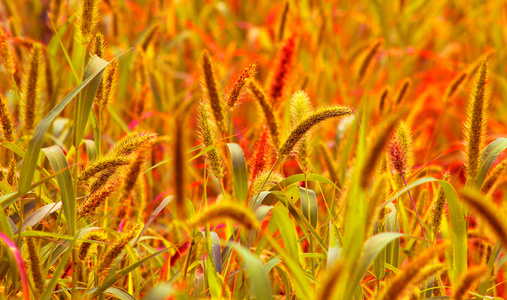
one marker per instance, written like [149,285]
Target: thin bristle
[308,122]
[475,126]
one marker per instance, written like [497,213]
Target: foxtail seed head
[257,92]
[237,213]
[377,151]
[455,84]
[31,87]
[403,91]
[5,120]
[438,206]
[237,89]
[467,280]
[488,212]
[401,285]
[493,176]
[260,156]
[308,122]
[5,52]
[35,264]
[87,19]
[475,126]
[208,138]
[213,92]
[110,83]
[384,98]
[282,70]
[367,61]
[301,106]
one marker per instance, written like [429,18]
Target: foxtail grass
[31,88]
[208,138]
[310,121]
[301,107]
[97,198]
[87,20]
[213,93]
[402,92]
[239,214]
[5,120]
[268,112]
[237,89]
[376,151]
[367,61]
[5,52]
[401,285]
[493,177]
[282,70]
[475,126]
[488,212]
[35,264]
[467,280]
[437,210]
[116,249]
[260,156]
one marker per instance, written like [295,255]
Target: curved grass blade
[488,157]
[85,100]
[116,292]
[258,278]
[159,208]
[113,278]
[40,214]
[239,172]
[309,206]
[13,249]
[32,153]
[59,162]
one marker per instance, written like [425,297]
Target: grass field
[165,149]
